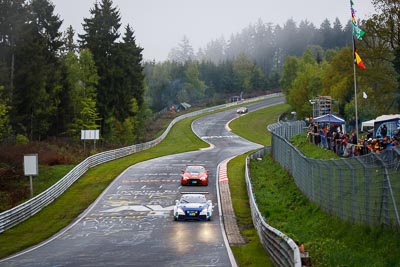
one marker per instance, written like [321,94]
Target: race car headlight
[180,211]
[185,177]
[204,211]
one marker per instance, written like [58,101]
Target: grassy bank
[252,253]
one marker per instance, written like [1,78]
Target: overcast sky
[160,25]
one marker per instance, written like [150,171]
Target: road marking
[140,208]
[219,136]
[123,208]
[153,214]
[160,208]
[150,181]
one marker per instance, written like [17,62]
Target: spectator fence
[362,189]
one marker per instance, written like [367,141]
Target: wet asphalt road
[131,223]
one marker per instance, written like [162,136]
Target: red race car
[194,175]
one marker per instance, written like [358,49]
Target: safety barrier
[18,214]
[282,249]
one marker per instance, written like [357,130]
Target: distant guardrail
[282,249]
[20,213]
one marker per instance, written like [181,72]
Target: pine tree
[37,73]
[134,68]
[101,33]
[69,44]
[127,75]
[13,16]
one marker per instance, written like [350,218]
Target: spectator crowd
[333,138]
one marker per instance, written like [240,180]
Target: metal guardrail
[20,213]
[282,249]
[362,189]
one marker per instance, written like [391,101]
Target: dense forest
[54,84]
[53,87]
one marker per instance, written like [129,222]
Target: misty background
[161,25]
[57,78]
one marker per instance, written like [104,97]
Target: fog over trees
[53,86]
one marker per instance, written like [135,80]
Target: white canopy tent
[387,117]
[371,123]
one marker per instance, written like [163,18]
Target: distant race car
[242,110]
[193,207]
[194,175]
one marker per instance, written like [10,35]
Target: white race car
[242,110]
[193,207]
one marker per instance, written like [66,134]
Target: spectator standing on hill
[352,124]
[338,143]
[328,137]
[353,138]
[333,134]
[322,137]
[315,134]
[383,131]
[370,134]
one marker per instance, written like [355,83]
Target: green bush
[22,139]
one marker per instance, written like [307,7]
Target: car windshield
[196,169]
[193,199]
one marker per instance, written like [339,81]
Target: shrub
[21,139]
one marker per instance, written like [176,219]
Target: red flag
[359,62]
[357,58]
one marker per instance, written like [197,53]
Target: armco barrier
[18,214]
[282,250]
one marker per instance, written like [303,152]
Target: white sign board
[31,165]
[89,134]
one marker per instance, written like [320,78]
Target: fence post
[387,189]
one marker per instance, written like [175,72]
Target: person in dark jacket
[383,131]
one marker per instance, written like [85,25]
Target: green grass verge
[330,241]
[253,126]
[83,192]
[252,253]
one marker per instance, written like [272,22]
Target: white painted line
[160,208]
[123,208]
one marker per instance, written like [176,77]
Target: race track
[131,223]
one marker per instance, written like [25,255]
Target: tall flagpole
[356,59]
[355,87]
